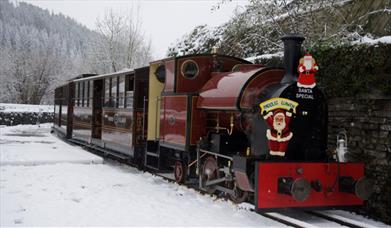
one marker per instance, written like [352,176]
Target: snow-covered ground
[34,145]
[4,107]
[45,181]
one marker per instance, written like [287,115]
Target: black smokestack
[292,54]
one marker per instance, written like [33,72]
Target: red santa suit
[307,69]
[279,133]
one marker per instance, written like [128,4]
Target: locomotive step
[151,167]
[152,154]
[102,150]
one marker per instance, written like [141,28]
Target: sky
[163,22]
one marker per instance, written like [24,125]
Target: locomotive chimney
[292,54]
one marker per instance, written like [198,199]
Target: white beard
[308,63]
[279,127]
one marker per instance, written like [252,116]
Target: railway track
[312,219]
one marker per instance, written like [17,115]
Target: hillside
[25,19]
[39,50]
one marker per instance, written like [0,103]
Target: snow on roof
[99,76]
[124,70]
[266,56]
[25,108]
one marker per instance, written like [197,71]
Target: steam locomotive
[220,124]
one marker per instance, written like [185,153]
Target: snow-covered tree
[30,66]
[258,29]
[201,40]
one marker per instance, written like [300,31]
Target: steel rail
[281,220]
[339,221]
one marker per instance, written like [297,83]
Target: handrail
[216,154]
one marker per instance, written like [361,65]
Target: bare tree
[121,43]
[111,28]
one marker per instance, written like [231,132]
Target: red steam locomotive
[219,124]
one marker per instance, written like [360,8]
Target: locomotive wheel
[210,171]
[180,172]
[239,196]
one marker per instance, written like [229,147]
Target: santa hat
[282,112]
[279,112]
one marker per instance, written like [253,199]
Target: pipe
[292,54]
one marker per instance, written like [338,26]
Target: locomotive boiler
[220,124]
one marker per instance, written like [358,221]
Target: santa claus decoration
[279,133]
[307,69]
[278,114]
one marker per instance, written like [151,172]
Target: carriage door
[97,109]
[140,106]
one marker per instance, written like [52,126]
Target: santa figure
[279,133]
[307,69]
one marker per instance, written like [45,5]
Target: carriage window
[88,94]
[114,91]
[108,102]
[160,73]
[77,93]
[86,86]
[121,91]
[65,95]
[82,93]
[91,92]
[129,92]
[190,69]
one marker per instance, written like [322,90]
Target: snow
[266,56]
[34,145]
[379,11]
[363,40]
[124,70]
[4,107]
[371,41]
[64,193]
[102,195]
[47,182]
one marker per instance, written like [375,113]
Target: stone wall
[368,126]
[15,118]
